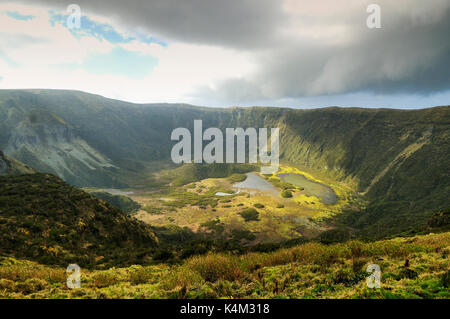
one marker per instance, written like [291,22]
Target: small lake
[227,194]
[256,182]
[325,193]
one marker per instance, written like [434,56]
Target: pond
[256,182]
[227,194]
[324,192]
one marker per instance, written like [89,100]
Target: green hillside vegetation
[416,267]
[189,173]
[122,202]
[387,173]
[397,159]
[44,219]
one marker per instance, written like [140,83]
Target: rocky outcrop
[9,166]
[49,144]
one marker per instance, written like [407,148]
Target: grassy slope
[121,202]
[399,159]
[415,267]
[43,218]
[195,206]
[189,173]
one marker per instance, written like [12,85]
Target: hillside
[396,159]
[121,202]
[10,166]
[412,268]
[44,219]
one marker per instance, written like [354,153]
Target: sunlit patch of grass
[195,204]
[213,267]
[310,270]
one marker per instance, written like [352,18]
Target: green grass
[398,158]
[189,173]
[45,219]
[311,270]
[236,178]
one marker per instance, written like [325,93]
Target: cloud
[243,23]
[101,30]
[236,52]
[410,54]
[44,53]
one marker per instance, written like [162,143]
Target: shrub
[250,214]
[286,193]
[236,178]
[140,275]
[213,267]
[445,279]
[214,225]
[6,284]
[334,236]
[23,272]
[239,234]
[162,255]
[183,277]
[358,264]
[31,285]
[408,273]
[258,205]
[103,279]
[343,276]
[152,210]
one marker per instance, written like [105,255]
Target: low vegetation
[44,219]
[416,267]
[286,194]
[189,173]
[250,214]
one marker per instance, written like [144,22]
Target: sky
[290,53]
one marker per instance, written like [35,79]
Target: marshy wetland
[324,192]
[211,204]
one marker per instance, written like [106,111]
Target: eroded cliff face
[3,164]
[389,155]
[49,144]
[9,166]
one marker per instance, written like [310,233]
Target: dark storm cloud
[239,24]
[409,54]
[305,48]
